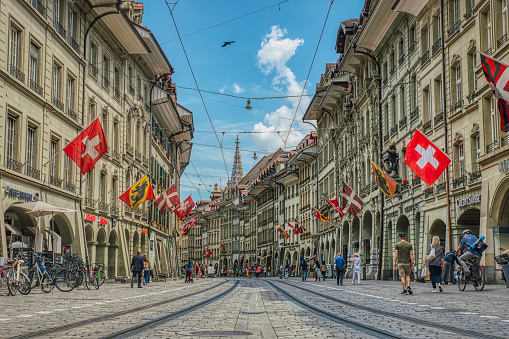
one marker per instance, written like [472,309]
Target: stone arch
[438,228]
[143,243]
[367,233]
[294,260]
[344,238]
[355,235]
[90,238]
[112,254]
[21,222]
[470,219]
[403,226]
[100,254]
[136,242]
[63,227]
[333,251]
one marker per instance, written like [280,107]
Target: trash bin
[505,269]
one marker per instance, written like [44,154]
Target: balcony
[491,147]
[439,118]
[394,130]
[106,82]
[33,172]
[38,6]
[116,93]
[459,182]
[393,70]
[489,51]
[471,97]
[457,106]
[131,89]
[405,185]
[416,182]
[426,127]
[34,86]
[103,207]
[129,149]
[116,156]
[441,188]
[74,44]
[411,48]
[17,73]
[92,70]
[384,82]
[401,59]
[69,187]
[13,164]
[454,28]
[55,181]
[414,114]
[386,137]
[365,190]
[502,40]
[424,58]
[89,202]
[58,104]
[469,13]
[60,29]
[402,122]
[436,46]
[374,185]
[145,161]
[138,155]
[475,177]
[72,114]
[429,192]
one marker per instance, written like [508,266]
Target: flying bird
[227,43]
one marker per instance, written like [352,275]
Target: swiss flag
[497,75]
[184,208]
[425,159]
[88,147]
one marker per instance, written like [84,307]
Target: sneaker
[409,290]
[404,292]
[440,289]
[140,286]
[434,291]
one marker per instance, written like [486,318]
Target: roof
[346,28]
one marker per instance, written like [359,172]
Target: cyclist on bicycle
[467,240]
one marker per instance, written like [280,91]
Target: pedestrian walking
[318,272]
[448,272]
[189,271]
[197,268]
[323,270]
[258,271]
[287,271]
[339,266]
[435,258]
[356,268]
[146,269]
[264,271]
[404,262]
[304,269]
[137,268]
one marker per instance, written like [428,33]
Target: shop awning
[156,60]
[13,229]
[313,110]
[186,117]
[121,27]
[377,24]
[165,111]
[185,155]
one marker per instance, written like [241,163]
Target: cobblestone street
[257,308]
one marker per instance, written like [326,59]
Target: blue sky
[271,57]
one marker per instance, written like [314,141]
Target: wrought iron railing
[394,130]
[504,141]
[405,185]
[426,127]
[429,192]
[414,114]
[393,70]
[106,82]
[38,6]
[411,48]
[454,28]
[439,118]
[459,182]
[416,182]
[55,181]
[58,104]
[374,185]
[74,44]
[69,187]
[72,114]
[424,58]
[441,188]
[131,89]
[386,137]
[34,86]
[436,46]
[402,122]
[502,40]
[92,70]
[13,164]
[89,202]
[384,82]
[469,14]
[475,177]
[60,29]
[103,207]
[116,93]
[17,73]
[114,210]
[491,147]
[489,51]
[33,172]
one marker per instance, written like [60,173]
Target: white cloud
[222,89]
[237,89]
[273,55]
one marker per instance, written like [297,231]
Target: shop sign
[475,199]
[503,165]
[412,207]
[103,221]
[392,214]
[22,195]
[89,217]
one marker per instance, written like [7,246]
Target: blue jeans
[435,275]
[339,276]
[146,274]
[304,275]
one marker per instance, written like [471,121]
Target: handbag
[432,254]
[423,272]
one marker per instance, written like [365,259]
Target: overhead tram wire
[197,86]
[309,72]
[199,175]
[196,188]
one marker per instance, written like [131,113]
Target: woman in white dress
[356,266]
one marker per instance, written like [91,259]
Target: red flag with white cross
[88,147]
[425,159]
[168,198]
[184,208]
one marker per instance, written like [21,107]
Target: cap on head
[467,232]
[139,251]
[401,235]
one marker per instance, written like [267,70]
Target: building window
[90,184]
[106,72]
[11,138]
[57,73]
[15,56]
[31,147]
[93,59]
[104,123]
[439,95]
[494,120]
[67,169]
[115,136]
[53,169]
[424,40]
[472,60]
[413,86]
[488,31]
[504,18]
[402,101]
[114,192]
[386,120]
[458,83]
[130,76]
[394,113]
[73,29]
[91,112]
[476,152]
[425,105]
[70,97]
[102,182]
[33,69]
[129,128]
[461,160]
[116,84]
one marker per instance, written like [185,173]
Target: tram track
[443,327]
[163,319]
[112,315]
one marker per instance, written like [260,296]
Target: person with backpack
[304,269]
[448,272]
[318,272]
[467,241]
[324,270]
[435,258]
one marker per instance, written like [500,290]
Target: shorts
[404,270]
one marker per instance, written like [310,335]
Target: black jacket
[137,263]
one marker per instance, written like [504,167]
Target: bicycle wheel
[462,281]
[101,276]
[479,280]
[24,286]
[64,281]
[47,282]
[94,281]
[34,278]
[11,282]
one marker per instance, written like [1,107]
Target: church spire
[237,174]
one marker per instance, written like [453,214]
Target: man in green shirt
[404,257]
